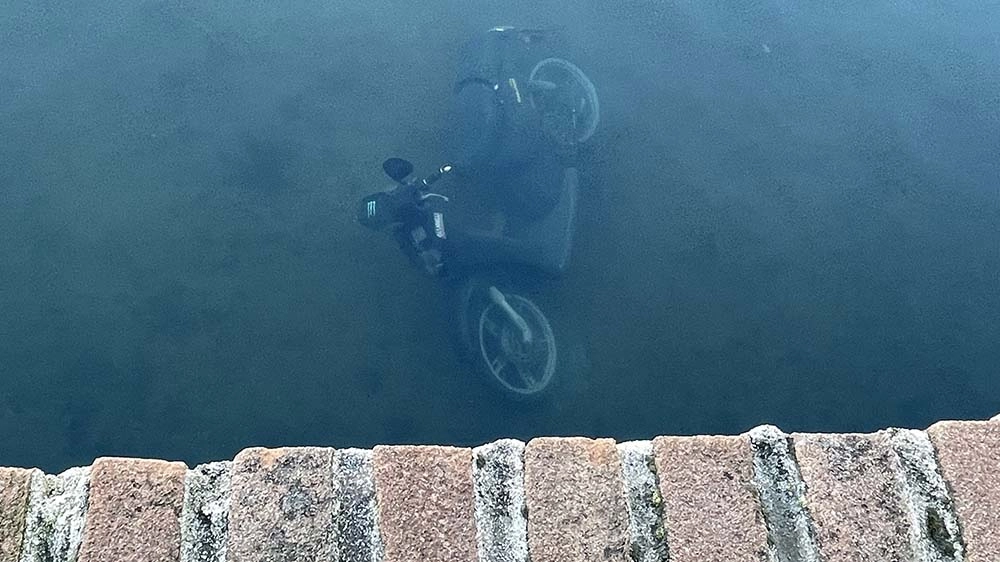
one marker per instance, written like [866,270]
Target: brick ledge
[764,495]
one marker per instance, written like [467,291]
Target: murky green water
[790,215]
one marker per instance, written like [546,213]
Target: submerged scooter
[521,118]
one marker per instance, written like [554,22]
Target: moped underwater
[521,117]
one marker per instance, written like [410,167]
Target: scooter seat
[544,244]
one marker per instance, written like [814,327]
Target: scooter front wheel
[509,339]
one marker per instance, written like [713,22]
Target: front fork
[498,299]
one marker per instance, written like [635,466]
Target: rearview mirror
[397,168]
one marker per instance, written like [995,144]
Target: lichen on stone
[644,502]
[205,513]
[57,508]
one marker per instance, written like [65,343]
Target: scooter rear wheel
[523,369]
[566,99]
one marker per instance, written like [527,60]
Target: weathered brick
[969,455]
[283,504]
[853,496]
[14,484]
[57,511]
[781,492]
[935,534]
[709,508]
[576,500]
[358,538]
[205,517]
[644,502]
[502,529]
[134,511]
[425,501]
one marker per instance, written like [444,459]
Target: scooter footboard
[544,244]
[553,234]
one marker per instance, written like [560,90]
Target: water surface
[790,215]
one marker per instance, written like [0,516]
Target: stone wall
[894,495]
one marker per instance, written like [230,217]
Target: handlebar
[426,182]
[387,207]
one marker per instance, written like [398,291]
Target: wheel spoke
[498,364]
[526,376]
[540,349]
[491,327]
[542,85]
